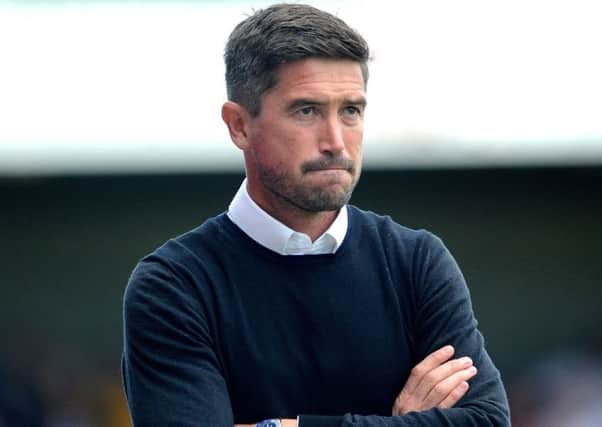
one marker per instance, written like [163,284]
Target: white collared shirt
[271,233]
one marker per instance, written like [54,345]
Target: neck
[314,224]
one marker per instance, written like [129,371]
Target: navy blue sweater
[220,330]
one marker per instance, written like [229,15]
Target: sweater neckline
[236,234]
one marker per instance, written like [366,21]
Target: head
[282,34]
[296,79]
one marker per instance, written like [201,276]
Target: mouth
[329,165]
[328,169]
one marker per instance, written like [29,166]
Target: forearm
[430,418]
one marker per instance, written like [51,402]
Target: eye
[307,111]
[351,111]
[351,114]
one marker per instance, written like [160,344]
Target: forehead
[320,77]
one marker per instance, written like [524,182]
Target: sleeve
[444,315]
[170,371]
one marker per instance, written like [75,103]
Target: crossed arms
[173,376]
[436,382]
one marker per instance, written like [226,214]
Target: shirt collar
[271,233]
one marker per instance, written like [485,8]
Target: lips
[326,170]
[341,163]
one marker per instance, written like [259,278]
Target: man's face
[305,147]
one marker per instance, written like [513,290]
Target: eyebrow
[303,102]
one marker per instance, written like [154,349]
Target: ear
[237,118]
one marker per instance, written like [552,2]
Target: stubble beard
[305,197]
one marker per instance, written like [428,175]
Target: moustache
[329,163]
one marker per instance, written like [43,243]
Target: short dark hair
[281,34]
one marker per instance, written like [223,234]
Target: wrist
[283,422]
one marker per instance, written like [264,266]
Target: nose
[331,138]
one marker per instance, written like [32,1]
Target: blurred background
[484,126]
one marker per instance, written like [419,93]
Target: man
[294,308]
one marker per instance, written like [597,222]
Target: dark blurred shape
[20,402]
[564,390]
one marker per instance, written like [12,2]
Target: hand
[435,382]
[289,422]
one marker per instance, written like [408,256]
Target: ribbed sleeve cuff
[319,421]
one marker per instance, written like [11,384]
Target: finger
[429,363]
[440,374]
[408,399]
[456,394]
[448,389]
[444,388]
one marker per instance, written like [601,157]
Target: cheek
[280,144]
[354,141]
[264,157]
[270,150]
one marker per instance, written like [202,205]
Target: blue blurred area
[21,403]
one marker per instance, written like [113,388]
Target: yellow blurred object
[115,412]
